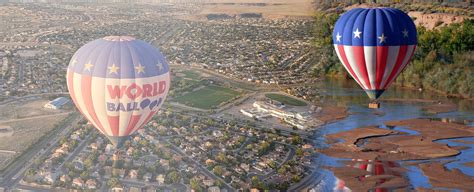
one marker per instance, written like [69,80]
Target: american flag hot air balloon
[374,45]
[118,83]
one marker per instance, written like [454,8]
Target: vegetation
[285,99]
[426,6]
[191,74]
[208,97]
[443,60]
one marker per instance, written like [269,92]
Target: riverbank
[332,113]
[375,151]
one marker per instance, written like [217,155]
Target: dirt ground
[27,132]
[385,144]
[273,9]
[24,109]
[358,179]
[441,177]
[428,20]
[23,122]
[332,113]
[440,108]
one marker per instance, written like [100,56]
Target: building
[265,109]
[78,182]
[160,179]
[273,110]
[214,189]
[91,184]
[57,103]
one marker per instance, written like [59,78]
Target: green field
[285,99]
[208,97]
[191,74]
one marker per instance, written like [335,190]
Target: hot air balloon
[374,45]
[374,169]
[118,83]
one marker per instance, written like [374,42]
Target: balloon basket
[374,105]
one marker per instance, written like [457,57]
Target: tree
[255,180]
[218,170]
[299,152]
[282,170]
[296,140]
[174,163]
[221,157]
[30,172]
[195,185]
[249,147]
[219,183]
[173,176]
[264,147]
[113,182]
[272,164]
[84,175]
[88,163]
[295,178]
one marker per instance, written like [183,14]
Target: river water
[347,93]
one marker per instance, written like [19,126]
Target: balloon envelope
[374,45]
[118,83]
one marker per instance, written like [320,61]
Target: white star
[405,33]
[382,38]
[88,66]
[160,66]
[140,68]
[338,37]
[113,69]
[73,62]
[357,33]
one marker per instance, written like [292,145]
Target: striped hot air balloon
[374,168]
[118,83]
[374,45]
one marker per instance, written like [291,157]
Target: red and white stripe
[374,67]
[90,96]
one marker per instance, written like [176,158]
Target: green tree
[218,170]
[272,164]
[173,176]
[113,182]
[299,152]
[195,185]
[221,157]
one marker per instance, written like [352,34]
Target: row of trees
[443,61]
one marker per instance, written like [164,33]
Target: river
[339,92]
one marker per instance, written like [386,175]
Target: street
[14,172]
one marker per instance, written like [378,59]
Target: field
[285,99]
[191,75]
[207,97]
[5,158]
[271,9]
[25,109]
[27,121]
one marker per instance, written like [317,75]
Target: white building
[57,103]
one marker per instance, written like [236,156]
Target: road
[310,181]
[76,151]
[203,169]
[14,172]
[30,188]
[283,131]
[34,117]
[32,96]
[140,184]
[289,155]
